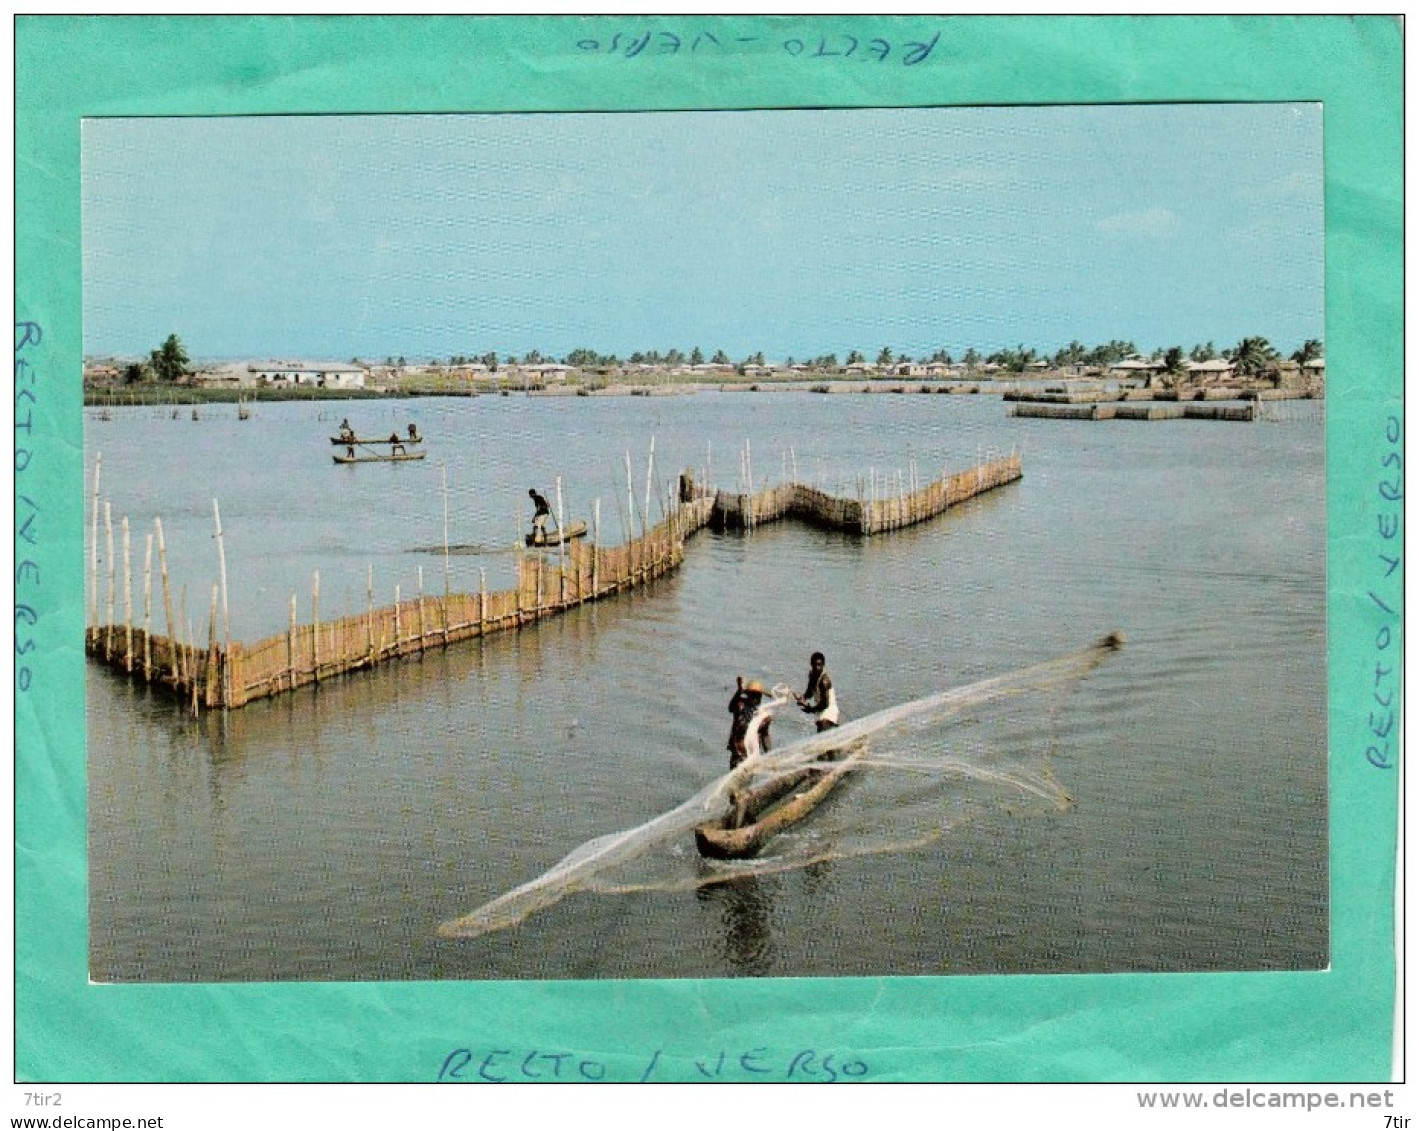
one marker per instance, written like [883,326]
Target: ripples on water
[326,834]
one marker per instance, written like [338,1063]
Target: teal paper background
[1334,1025]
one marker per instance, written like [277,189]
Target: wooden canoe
[571,531]
[374,440]
[399,458]
[770,808]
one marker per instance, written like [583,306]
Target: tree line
[1251,356]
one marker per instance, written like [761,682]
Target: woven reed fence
[877,509]
[549,581]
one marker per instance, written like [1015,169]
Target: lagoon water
[324,835]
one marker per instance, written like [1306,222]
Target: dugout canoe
[771,808]
[397,458]
[374,440]
[571,531]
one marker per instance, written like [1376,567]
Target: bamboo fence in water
[228,674]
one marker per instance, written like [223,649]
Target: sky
[795,233]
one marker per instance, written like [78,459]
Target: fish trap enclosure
[223,673]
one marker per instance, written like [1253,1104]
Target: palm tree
[169,361]
[1308,352]
[1252,356]
[1072,354]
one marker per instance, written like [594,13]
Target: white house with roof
[1136,367]
[1213,368]
[318,375]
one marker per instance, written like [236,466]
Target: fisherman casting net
[909,774]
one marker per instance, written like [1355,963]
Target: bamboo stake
[148,610]
[517,553]
[621,514]
[369,612]
[482,600]
[749,473]
[94,549]
[423,631]
[291,645]
[315,626]
[631,495]
[108,626]
[562,543]
[226,616]
[222,564]
[192,644]
[127,602]
[443,473]
[396,620]
[213,659]
[649,474]
[184,630]
[596,547]
[167,601]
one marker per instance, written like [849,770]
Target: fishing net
[917,770]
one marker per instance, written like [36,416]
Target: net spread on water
[923,768]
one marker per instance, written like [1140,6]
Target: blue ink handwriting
[1380,746]
[28,336]
[654,43]
[501,1066]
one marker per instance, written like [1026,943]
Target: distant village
[1252,364]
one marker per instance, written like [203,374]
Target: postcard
[709,549]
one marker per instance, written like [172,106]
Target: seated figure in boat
[820,698]
[541,511]
[346,432]
[749,732]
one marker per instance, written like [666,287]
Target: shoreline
[1036,390]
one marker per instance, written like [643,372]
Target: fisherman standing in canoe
[541,511]
[820,699]
[347,434]
[746,702]
[413,434]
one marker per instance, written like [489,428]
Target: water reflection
[745,904]
[326,833]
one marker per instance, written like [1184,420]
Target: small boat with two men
[372,450]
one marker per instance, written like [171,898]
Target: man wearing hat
[746,700]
